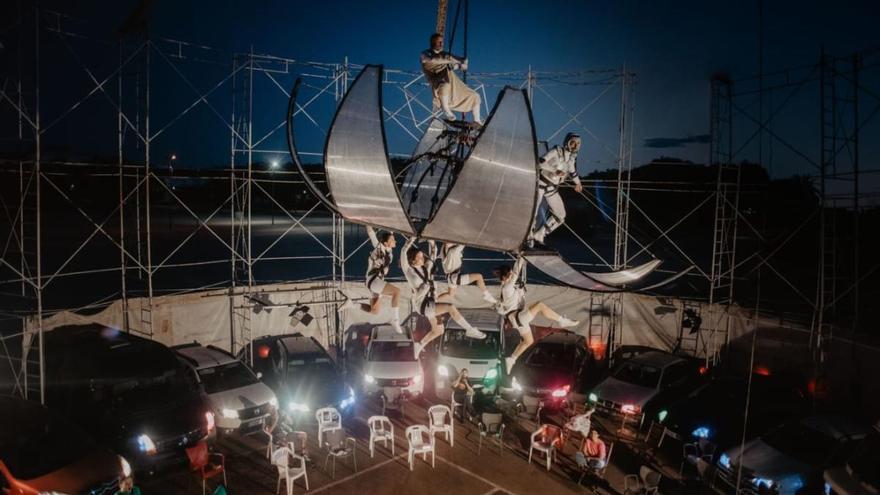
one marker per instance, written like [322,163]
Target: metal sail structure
[429,175]
[553,265]
[359,174]
[492,199]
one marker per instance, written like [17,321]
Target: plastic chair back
[649,477]
[197,455]
[492,421]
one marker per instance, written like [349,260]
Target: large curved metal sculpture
[554,266]
[492,199]
[356,161]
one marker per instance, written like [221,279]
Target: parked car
[714,411]
[860,474]
[481,357]
[644,384]
[239,400]
[302,374]
[791,458]
[128,392]
[390,361]
[552,369]
[41,452]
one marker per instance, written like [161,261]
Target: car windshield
[556,356]
[637,374]
[456,344]
[41,443]
[152,392]
[801,442]
[320,370]
[392,351]
[226,377]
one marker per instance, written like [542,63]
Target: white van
[391,362]
[482,358]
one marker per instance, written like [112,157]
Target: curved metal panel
[428,177]
[627,276]
[554,266]
[291,147]
[491,202]
[356,159]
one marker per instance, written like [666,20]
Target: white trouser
[555,214]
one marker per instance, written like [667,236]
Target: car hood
[315,394]
[392,369]
[178,416]
[252,395]
[620,392]
[762,460]
[477,368]
[542,378]
[99,469]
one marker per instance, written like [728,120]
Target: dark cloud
[667,142]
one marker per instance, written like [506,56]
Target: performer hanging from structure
[450,93]
[419,271]
[378,265]
[452,255]
[557,165]
[513,307]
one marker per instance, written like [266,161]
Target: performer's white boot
[444,102]
[395,320]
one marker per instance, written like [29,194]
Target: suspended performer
[419,271]
[513,307]
[452,256]
[378,265]
[450,93]
[557,166]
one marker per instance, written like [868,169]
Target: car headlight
[702,432]
[417,379]
[125,467]
[273,402]
[724,460]
[443,371]
[630,409]
[515,384]
[762,481]
[492,374]
[297,407]
[229,413]
[593,397]
[347,401]
[662,415]
[369,379]
[146,445]
[209,420]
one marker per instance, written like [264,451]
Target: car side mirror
[259,375]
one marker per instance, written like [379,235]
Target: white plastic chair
[329,419]
[647,482]
[281,459]
[491,425]
[440,421]
[381,430]
[416,436]
[545,440]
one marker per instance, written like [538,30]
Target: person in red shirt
[592,453]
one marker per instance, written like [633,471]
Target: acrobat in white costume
[450,93]
[557,165]
[513,307]
[419,272]
[452,256]
[378,264]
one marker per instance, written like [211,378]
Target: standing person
[452,255]
[557,166]
[593,452]
[378,265]
[419,272]
[450,93]
[513,307]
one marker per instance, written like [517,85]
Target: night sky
[673,47]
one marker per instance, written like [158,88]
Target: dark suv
[301,373]
[130,393]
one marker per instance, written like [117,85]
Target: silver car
[239,400]
[391,362]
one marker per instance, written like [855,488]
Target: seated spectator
[592,453]
[461,389]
